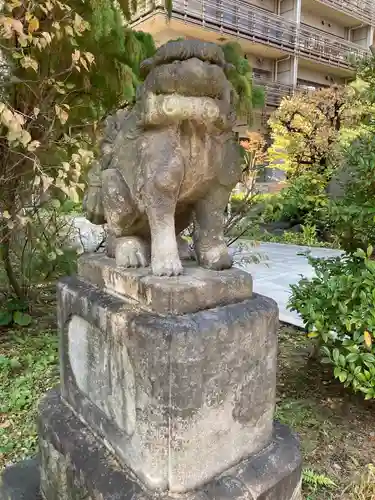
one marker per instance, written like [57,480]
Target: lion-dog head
[187,81]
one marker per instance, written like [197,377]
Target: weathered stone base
[21,481]
[77,466]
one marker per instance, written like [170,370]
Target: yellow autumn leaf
[47,37]
[33,25]
[368,339]
[29,62]
[313,335]
[76,56]
[17,26]
[7,117]
[13,135]
[69,30]
[90,57]
[25,138]
[33,146]
[61,114]
[48,5]
[84,63]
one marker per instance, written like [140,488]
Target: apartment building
[290,44]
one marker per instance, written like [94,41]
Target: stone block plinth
[177,398]
[77,465]
[195,290]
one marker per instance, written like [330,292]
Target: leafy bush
[244,207]
[352,217]
[304,200]
[337,306]
[41,250]
[306,130]
[65,65]
[14,311]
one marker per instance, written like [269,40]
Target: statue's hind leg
[121,215]
[209,242]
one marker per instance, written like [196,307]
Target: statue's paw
[132,252]
[167,266]
[216,258]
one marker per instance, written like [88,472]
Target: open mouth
[186,83]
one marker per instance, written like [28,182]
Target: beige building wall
[263,4]
[312,75]
[279,65]
[261,63]
[288,10]
[360,35]
[325,24]
[285,71]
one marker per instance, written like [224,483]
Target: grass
[28,368]
[364,489]
[335,427]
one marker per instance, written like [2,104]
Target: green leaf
[326,351]
[5,318]
[370,358]
[22,319]
[342,360]
[336,355]
[352,357]
[4,361]
[337,371]
[14,363]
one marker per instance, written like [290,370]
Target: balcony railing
[316,44]
[274,91]
[240,19]
[364,10]
[236,18]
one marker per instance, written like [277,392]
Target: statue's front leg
[209,242]
[120,213]
[164,170]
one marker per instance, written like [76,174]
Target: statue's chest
[202,153]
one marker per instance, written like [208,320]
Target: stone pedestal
[167,388]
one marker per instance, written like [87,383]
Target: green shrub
[337,306]
[304,200]
[14,311]
[352,217]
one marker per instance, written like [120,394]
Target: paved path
[281,267]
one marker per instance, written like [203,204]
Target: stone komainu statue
[169,161]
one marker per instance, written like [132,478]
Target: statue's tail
[93,199]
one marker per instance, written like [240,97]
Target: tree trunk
[7,264]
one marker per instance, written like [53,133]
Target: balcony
[237,18]
[274,91]
[242,20]
[363,10]
[316,44]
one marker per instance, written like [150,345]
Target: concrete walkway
[280,267]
